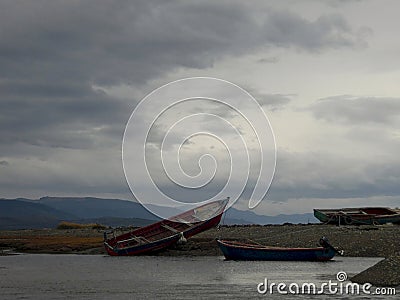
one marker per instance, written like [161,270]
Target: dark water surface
[42,276]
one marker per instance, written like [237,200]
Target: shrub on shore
[71,225]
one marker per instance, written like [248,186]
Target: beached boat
[234,250]
[167,232]
[358,216]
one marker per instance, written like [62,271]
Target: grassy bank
[53,241]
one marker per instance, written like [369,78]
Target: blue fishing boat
[234,250]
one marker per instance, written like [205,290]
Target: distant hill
[88,207]
[47,212]
[232,216]
[117,222]
[20,214]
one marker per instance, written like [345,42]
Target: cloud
[286,29]
[58,58]
[268,60]
[64,172]
[329,175]
[61,120]
[352,110]
[108,43]
[4,163]
[53,53]
[337,3]
[273,101]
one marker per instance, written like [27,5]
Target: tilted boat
[167,232]
[234,250]
[358,216]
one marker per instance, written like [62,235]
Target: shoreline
[356,241]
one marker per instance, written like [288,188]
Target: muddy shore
[356,241]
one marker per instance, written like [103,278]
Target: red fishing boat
[358,216]
[167,232]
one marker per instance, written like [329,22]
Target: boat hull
[238,251]
[358,216]
[142,249]
[213,222]
[165,233]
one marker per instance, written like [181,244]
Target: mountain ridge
[47,212]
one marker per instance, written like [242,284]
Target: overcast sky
[326,73]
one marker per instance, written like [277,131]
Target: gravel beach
[384,273]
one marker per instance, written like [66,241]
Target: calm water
[103,277]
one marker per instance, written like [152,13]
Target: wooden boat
[233,250]
[358,216]
[167,232]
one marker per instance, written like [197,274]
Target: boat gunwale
[358,216]
[348,211]
[264,247]
[174,236]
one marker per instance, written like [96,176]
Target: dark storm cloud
[357,110]
[77,118]
[129,42]
[52,52]
[54,56]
